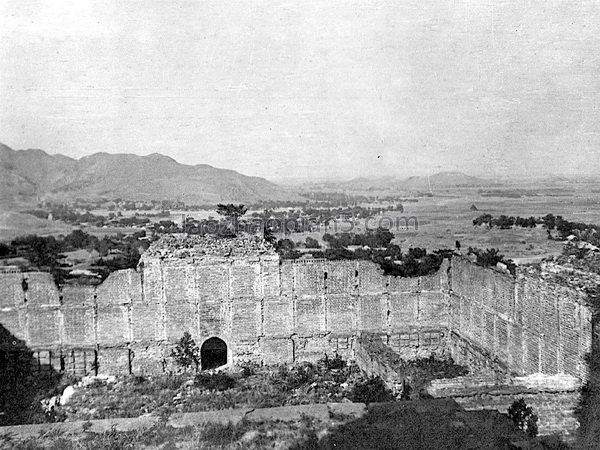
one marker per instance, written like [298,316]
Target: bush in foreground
[214,381]
[335,363]
[371,390]
[186,354]
[523,416]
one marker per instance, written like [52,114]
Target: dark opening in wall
[213,353]
[26,379]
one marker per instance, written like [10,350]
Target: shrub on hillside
[248,369]
[335,363]
[214,381]
[186,354]
[371,390]
[296,376]
[523,416]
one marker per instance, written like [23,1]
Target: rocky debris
[49,404]
[185,246]
[188,384]
[571,276]
[66,395]
[105,379]
[249,436]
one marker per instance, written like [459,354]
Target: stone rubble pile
[569,275]
[184,246]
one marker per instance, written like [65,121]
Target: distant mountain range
[32,175]
[444,180]
[439,180]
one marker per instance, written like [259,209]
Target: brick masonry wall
[528,324]
[262,309]
[375,354]
[267,310]
[554,400]
[555,410]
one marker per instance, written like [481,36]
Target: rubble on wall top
[566,274]
[182,245]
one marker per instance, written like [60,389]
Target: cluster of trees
[505,222]
[68,215]
[309,219]
[78,203]
[357,212]
[47,252]
[584,231]
[41,251]
[291,221]
[303,219]
[335,199]
[71,216]
[132,221]
[564,228]
[276,204]
[338,199]
[491,257]
[380,238]
[414,262]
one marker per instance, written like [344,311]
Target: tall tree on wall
[232,212]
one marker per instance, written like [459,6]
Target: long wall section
[271,310]
[263,309]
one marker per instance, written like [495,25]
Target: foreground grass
[255,387]
[411,425]
[244,435]
[163,395]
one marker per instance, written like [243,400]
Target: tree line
[550,222]
[47,252]
[375,246]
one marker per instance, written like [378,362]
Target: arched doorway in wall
[213,353]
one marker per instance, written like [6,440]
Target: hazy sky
[315,88]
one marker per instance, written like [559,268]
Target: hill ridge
[34,174]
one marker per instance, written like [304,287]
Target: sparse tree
[312,243]
[232,212]
[186,354]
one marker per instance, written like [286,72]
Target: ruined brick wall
[554,399]
[275,311]
[532,323]
[374,355]
[263,309]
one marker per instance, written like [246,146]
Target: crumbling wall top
[563,274]
[187,246]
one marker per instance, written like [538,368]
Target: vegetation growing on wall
[490,257]
[522,416]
